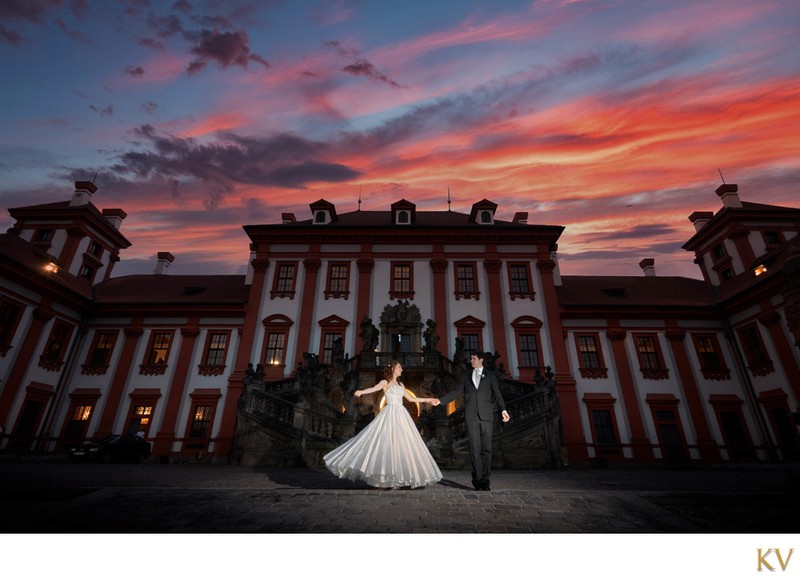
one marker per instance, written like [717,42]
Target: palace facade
[646,369]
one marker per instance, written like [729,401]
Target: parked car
[114,448]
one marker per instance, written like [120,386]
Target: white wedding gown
[389,452]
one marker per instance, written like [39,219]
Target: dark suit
[479,416]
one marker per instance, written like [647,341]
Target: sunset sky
[611,118]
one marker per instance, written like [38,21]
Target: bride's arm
[414,399]
[379,387]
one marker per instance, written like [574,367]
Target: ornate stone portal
[295,422]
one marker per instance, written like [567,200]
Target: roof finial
[720,175]
[448,198]
[359,198]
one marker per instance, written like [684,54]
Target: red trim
[642,450]
[492,265]
[166,432]
[117,386]
[603,402]
[439,272]
[527,325]
[664,402]
[41,315]
[709,451]
[397,293]
[772,321]
[304,328]
[275,324]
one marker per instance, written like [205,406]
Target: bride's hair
[388,370]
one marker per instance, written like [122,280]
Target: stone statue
[459,357]
[370,335]
[430,335]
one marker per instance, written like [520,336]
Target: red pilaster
[243,358]
[305,325]
[709,451]
[772,321]
[566,386]
[642,448]
[492,265]
[166,433]
[743,247]
[41,315]
[365,264]
[439,270]
[74,236]
[120,378]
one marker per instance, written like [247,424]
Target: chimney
[648,265]
[520,218]
[729,193]
[288,218]
[83,193]
[164,260]
[114,216]
[700,219]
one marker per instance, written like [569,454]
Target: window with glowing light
[158,352]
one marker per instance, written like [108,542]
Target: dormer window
[403,212]
[43,235]
[323,212]
[483,212]
[95,249]
[719,251]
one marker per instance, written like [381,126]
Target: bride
[389,452]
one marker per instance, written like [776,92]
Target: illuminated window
[201,421]
[103,346]
[276,348]
[76,428]
[160,343]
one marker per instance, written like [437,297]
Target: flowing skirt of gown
[388,453]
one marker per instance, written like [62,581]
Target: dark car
[114,448]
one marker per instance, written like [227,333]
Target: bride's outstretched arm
[414,399]
[379,387]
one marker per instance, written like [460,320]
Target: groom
[481,391]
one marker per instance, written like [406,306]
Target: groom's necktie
[476,377]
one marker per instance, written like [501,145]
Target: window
[590,359]
[100,353]
[141,416]
[712,364]
[319,217]
[43,235]
[403,217]
[338,280]
[276,348]
[157,354]
[159,348]
[76,427]
[10,314]
[719,252]
[285,279]
[332,339]
[217,348]
[53,355]
[486,217]
[470,331]
[330,342]
[773,237]
[216,352]
[201,421]
[466,282]
[735,435]
[86,272]
[648,356]
[276,336]
[603,424]
[402,281]
[519,281]
[650,359]
[95,249]
[756,355]
[529,352]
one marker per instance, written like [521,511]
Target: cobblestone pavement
[59,497]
